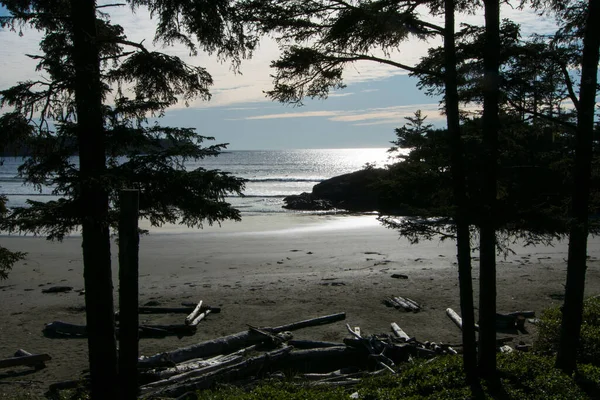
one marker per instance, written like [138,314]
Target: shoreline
[263,277]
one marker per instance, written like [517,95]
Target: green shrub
[549,332]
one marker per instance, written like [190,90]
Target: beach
[267,271]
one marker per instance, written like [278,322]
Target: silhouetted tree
[84,108]
[463,236]
[341,33]
[487,246]
[9,258]
[580,207]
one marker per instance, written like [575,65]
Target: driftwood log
[312,344]
[239,370]
[34,360]
[399,332]
[194,314]
[228,344]
[60,329]
[199,317]
[402,303]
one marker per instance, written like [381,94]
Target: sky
[364,114]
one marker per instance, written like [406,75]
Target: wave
[11,179]
[259,196]
[30,194]
[286,179]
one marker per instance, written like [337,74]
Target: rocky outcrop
[306,201]
[357,191]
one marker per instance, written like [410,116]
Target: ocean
[271,175]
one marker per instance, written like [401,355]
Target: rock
[306,201]
[399,276]
[57,289]
[357,191]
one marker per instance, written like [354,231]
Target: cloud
[336,94]
[232,89]
[372,116]
[303,114]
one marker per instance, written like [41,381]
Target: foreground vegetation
[522,376]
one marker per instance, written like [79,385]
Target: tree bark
[487,248]
[576,265]
[129,242]
[93,202]
[463,244]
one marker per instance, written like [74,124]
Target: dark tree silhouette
[463,236]
[84,107]
[342,33]
[578,235]
[487,247]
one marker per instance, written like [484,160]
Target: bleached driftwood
[454,317]
[399,332]
[201,368]
[228,344]
[311,344]
[159,374]
[199,318]
[235,371]
[194,314]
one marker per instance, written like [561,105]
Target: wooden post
[128,294]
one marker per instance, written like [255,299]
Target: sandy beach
[268,274]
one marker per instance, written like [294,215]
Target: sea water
[271,175]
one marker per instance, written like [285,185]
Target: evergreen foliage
[137,83]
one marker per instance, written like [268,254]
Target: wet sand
[264,275]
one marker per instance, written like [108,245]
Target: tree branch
[365,57]
[569,84]
[555,120]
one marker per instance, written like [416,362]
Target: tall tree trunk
[576,266]
[463,244]
[93,203]
[490,122]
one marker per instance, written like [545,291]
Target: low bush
[549,332]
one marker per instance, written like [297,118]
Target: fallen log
[342,372]
[229,373]
[227,344]
[57,289]
[398,303]
[406,304]
[376,348]
[323,359]
[30,360]
[24,353]
[201,369]
[194,323]
[65,330]
[415,305]
[399,332]
[454,317]
[165,373]
[172,310]
[311,344]
[327,319]
[457,319]
[525,314]
[194,314]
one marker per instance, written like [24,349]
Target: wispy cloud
[383,115]
[302,114]
[236,89]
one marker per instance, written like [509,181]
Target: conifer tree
[344,32]
[98,90]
